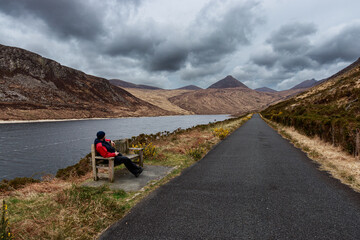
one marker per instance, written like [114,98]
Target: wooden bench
[107,164]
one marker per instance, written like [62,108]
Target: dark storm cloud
[345,46]
[265,58]
[296,63]
[289,46]
[167,57]
[134,43]
[66,18]
[292,38]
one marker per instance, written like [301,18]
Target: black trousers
[132,167]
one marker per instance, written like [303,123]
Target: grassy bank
[61,208]
[333,159]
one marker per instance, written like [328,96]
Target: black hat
[100,134]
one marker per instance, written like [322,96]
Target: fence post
[357,147]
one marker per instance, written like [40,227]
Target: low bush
[196,153]
[77,170]
[16,183]
[5,232]
[221,132]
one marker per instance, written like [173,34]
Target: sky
[171,44]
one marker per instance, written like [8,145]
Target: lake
[34,149]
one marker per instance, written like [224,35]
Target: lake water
[36,148]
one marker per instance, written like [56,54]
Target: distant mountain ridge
[265,89]
[306,84]
[228,82]
[124,84]
[190,87]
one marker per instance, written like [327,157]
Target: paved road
[254,185]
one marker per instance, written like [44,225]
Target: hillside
[160,98]
[124,84]
[33,87]
[330,110]
[224,101]
[228,82]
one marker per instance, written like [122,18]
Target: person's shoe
[139,172]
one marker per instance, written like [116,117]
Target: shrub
[16,183]
[221,133]
[77,170]
[5,232]
[196,153]
[150,151]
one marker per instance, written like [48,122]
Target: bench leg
[141,160]
[111,170]
[95,171]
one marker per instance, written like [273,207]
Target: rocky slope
[33,87]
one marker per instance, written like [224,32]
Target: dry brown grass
[332,159]
[160,98]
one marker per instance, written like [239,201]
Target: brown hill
[124,84]
[330,110]
[160,98]
[228,82]
[224,101]
[33,87]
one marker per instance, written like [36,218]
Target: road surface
[253,185]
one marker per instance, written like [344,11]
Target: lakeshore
[34,209]
[40,146]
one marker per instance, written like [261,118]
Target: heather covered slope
[33,87]
[330,110]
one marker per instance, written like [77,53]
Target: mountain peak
[228,82]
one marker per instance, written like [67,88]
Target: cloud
[343,46]
[218,30]
[66,18]
[292,38]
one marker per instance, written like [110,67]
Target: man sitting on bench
[105,147]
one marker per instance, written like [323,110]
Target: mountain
[329,110]
[124,84]
[190,87]
[228,82]
[306,84]
[33,87]
[265,89]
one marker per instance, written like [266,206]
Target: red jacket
[102,150]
